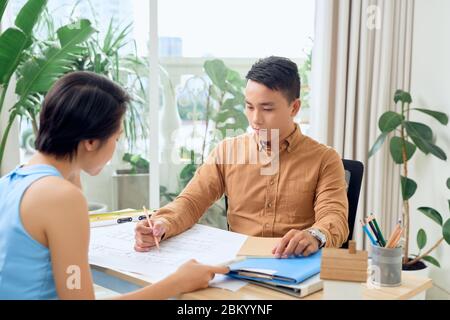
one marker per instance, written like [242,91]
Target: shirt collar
[290,143]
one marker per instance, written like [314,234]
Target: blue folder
[288,271]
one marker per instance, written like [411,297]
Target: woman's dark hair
[79,106]
[277,73]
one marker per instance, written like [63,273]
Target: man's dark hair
[79,106]
[277,73]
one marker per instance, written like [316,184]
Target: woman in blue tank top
[44,223]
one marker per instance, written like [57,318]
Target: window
[237,33]
[231,35]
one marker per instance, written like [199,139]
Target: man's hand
[145,235]
[296,242]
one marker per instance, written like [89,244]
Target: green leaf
[419,129]
[402,96]
[389,121]
[12,44]
[378,143]
[432,260]
[396,146]
[187,173]
[127,157]
[438,152]
[29,15]
[217,72]
[421,239]
[448,183]
[432,214]
[422,135]
[231,120]
[39,74]
[235,79]
[439,116]
[409,187]
[75,33]
[3,4]
[446,231]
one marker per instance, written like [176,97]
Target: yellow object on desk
[116,217]
[258,247]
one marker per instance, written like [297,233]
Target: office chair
[353,176]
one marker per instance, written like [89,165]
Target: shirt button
[271,182]
[269,205]
[266,225]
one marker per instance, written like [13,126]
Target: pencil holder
[386,268]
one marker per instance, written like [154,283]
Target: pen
[151,225]
[112,221]
[372,227]
[372,240]
[377,227]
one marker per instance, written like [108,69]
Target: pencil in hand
[151,226]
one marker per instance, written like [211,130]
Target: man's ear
[296,107]
[91,144]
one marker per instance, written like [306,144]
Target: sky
[233,28]
[211,28]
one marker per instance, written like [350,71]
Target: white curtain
[361,55]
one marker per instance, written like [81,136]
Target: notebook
[288,271]
[306,287]
[258,247]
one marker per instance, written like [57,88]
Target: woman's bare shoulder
[50,195]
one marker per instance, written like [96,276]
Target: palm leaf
[29,15]
[12,44]
[38,75]
[3,4]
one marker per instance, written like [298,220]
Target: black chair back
[353,176]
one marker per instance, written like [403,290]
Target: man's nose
[257,117]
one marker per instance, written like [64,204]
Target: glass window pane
[199,36]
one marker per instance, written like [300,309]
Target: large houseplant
[38,63]
[37,54]
[405,136]
[223,113]
[35,74]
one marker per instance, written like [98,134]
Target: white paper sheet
[226,282]
[112,247]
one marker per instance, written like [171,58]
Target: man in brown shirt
[279,182]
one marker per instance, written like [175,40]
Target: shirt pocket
[297,201]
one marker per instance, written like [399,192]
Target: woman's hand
[192,275]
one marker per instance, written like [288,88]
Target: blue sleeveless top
[25,265]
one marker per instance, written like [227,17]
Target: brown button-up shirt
[301,186]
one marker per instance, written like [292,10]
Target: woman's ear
[91,144]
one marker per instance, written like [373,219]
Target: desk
[123,282]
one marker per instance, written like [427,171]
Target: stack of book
[297,276]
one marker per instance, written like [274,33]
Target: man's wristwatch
[316,233]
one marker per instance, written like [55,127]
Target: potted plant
[416,263]
[131,186]
[405,137]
